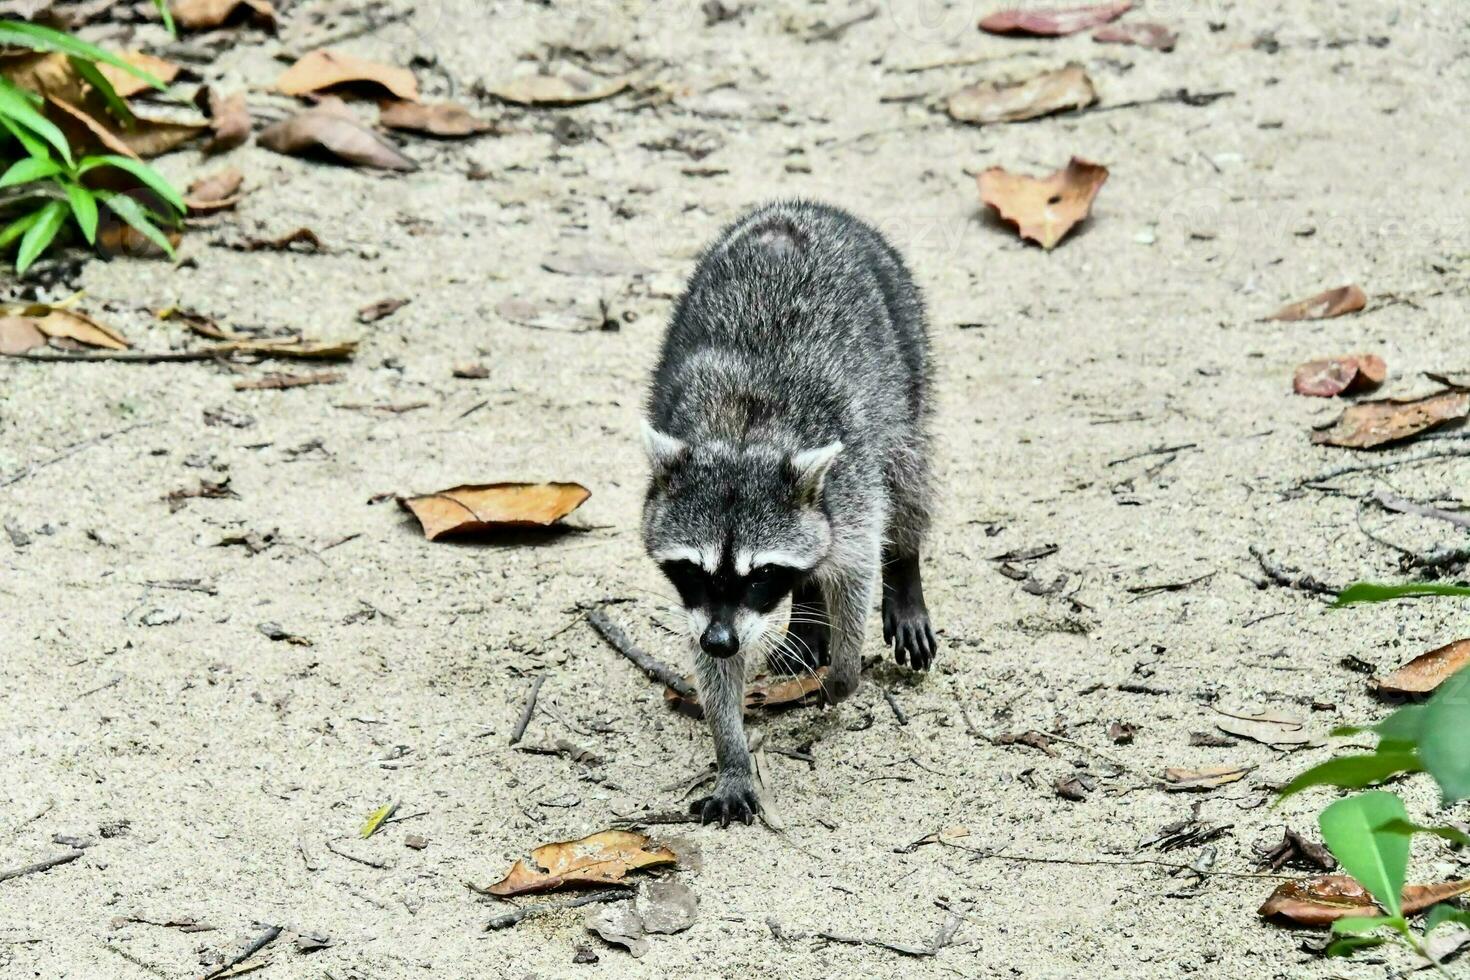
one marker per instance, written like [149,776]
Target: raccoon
[787,438]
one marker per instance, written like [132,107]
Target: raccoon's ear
[664,450]
[810,468]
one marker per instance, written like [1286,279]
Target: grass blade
[132,212]
[84,209]
[39,235]
[99,81]
[16,106]
[19,227]
[151,178]
[1378,592]
[38,38]
[28,170]
[1354,771]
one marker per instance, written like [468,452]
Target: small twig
[898,712]
[39,866]
[352,857]
[1399,505]
[1181,96]
[528,710]
[1376,467]
[836,31]
[979,855]
[69,451]
[1160,451]
[1111,760]
[256,945]
[1280,576]
[526,911]
[656,669]
[941,939]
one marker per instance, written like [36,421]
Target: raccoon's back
[799,303]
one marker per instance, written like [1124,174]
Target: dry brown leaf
[477,508]
[323,69]
[1322,900]
[603,858]
[762,692]
[1385,420]
[304,237]
[1198,780]
[203,15]
[568,86]
[374,312]
[1053,91]
[146,137]
[1334,375]
[82,129]
[1323,306]
[1428,670]
[220,191]
[1044,209]
[45,74]
[126,84]
[229,118]
[18,335]
[293,348]
[61,323]
[1053,21]
[325,129]
[446,119]
[1143,35]
[149,137]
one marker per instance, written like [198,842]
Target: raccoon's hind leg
[905,615]
[804,647]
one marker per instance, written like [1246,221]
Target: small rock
[161,617]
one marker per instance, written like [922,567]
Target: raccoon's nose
[719,641]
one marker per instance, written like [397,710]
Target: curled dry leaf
[56,322]
[46,74]
[446,119]
[1334,375]
[323,69]
[1053,21]
[477,508]
[146,137]
[762,692]
[603,858]
[1324,306]
[1322,900]
[1427,671]
[331,130]
[1044,209]
[1142,34]
[1266,727]
[1386,420]
[126,84]
[204,15]
[1054,91]
[229,118]
[566,86]
[219,191]
[1199,780]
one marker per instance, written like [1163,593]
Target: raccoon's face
[735,529]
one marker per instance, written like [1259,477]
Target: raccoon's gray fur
[787,436]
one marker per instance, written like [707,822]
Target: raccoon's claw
[737,802]
[912,638]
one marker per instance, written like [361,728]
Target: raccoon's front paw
[908,629]
[802,650]
[732,800]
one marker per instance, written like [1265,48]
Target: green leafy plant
[39,170]
[1370,833]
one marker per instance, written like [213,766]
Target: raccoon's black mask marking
[723,592]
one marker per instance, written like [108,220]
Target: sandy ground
[211,767]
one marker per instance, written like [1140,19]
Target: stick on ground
[526,911]
[528,710]
[40,866]
[1280,576]
[257,944]
[650,665]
